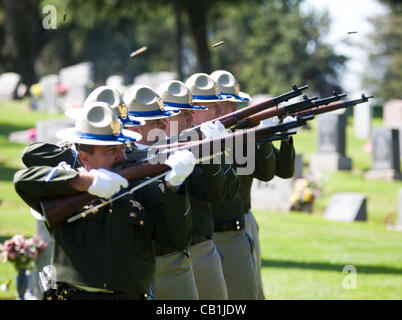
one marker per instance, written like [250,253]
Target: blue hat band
[152,113]
[212,97]
[229,95]
[103,137]
[183,105]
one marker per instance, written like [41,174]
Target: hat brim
[242,95]
[206,100]
[189,109]
[156,117]
[70,135]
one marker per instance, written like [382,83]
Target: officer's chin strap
[95,209]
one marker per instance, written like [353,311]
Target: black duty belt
[229,225]
[66,292]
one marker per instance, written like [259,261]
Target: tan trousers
[174,277]
[238,264]
[252,228]
[208,271]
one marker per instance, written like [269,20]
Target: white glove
[213,130]
[106,183]
[182,163]
[288,119]
[270,122]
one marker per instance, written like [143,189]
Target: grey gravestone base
[275,194]
[383,174]
[330,161]
[347,207]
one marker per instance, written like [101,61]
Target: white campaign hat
[145,103]
[111,96]
[229,87]
[175,94]
[203,88]
[97,125]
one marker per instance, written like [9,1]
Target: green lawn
[303,255]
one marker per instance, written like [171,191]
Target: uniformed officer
[230,236]
[206,186]
[269,161]
[174,278]
[116,242]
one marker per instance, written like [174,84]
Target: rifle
[231,119]
[58,209]
[333,106]
[255,119]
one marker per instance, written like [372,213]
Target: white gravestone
[154,79]
[347,207]
[362,115]
[48,101]
[9,82]
[78,79]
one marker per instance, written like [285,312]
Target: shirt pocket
[138,234]
[85,232]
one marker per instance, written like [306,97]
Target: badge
[123,111]
[116,127]
[137,205]
[236,89]
[162,187]
[216,90]
[160,103]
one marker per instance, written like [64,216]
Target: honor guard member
[174,278]
[108,255]
[265,168]
[205,185]
[210,280]
[229,233]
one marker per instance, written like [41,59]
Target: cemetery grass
[303,254]
[14,214]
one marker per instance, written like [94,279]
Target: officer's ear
[84,157]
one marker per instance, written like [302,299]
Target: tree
[20,30]
[271,46]
[384,76]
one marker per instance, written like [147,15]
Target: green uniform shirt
[112,249]
[264,169]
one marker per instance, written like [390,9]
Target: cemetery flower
[305,191]
[22,252]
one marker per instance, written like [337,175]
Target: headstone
[154,79]
[48,101]
[9,82]
[331,143]
[362,115]
[392,114]
[78,79]
[278,189]
[46,130]
[347,207]
[385,164]
[116,81]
